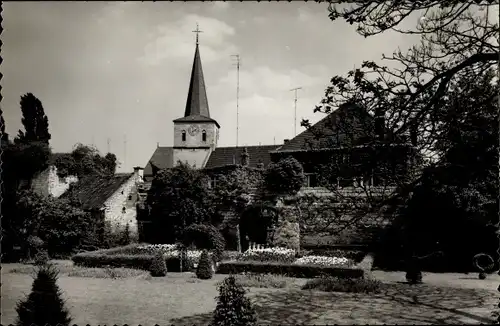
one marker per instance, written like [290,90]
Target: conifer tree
[35,122]
[44,305]
[233,308]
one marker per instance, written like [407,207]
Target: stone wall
[48,183]
[124,197]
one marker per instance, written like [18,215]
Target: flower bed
[324,261]
[283,255]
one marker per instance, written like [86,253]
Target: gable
[349,124]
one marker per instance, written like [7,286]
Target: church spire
[197,103]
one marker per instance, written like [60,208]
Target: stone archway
[255,224]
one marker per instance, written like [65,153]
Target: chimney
[158,144]
[379,123]
[286,141]
[245,157]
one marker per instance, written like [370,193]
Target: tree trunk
[238,238]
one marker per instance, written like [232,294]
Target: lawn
[181,299]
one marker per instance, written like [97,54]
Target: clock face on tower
[193,130]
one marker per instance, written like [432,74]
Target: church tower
[195,134]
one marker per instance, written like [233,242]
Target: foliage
[42,257]
[287,269]
[233,189]
[268,281]
[204,268]
[285,176]
[335,284]
[179,197]
[4,136]
[35,122]
[413,271]
[103,258]
[62,227]
[233,307]
[205,236]
[459,194]
[44,305]
[125,238]
[324,261]
[287,234]
[158,266]
[85,160]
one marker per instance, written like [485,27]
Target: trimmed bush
[413,271]
[158,267]
[204,269]
[290,270]
[99,259]
[335,284]
[233,307]
[44,305]
[268,281]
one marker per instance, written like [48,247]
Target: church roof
[330,130]
[163,158]
[94,190]
[197,102]
[232,155]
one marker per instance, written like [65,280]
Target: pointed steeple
[197,102]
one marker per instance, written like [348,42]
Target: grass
[268,281]
[76,271]
[181,300]
[335,284]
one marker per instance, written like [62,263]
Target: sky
[118,73]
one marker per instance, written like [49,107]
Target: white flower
[269,254]
[322,261]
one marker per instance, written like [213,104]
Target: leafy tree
[86,160]
[284,177]
[35,122]
[61,226]
[233,308]
[205,236]
[179,197]
[44,305]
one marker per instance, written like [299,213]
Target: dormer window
[204,135]
[184,135]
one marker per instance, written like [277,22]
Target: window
[204,135]
[184,135]
[129,197]
[310,180]
[213,181]
[124,210]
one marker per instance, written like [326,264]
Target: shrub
[158,266]
[285,176]
[413,271]
[204,269]
[125,237]
[143,261]
[205,236]
[233,308]
[323,261]
[335,284]
[287,235]
[42,257]
[290,270]
[44,305]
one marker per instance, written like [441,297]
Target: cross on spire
[197,31]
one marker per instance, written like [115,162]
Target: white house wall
[114,206]
[48,183]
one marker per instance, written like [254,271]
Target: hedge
[127,261]
[290,270]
